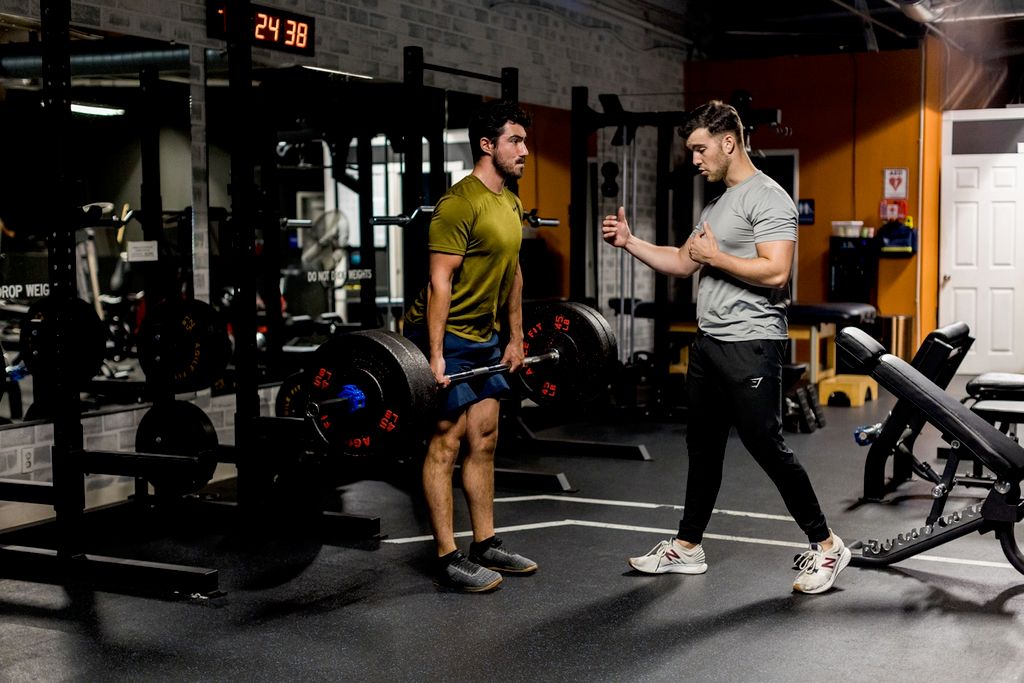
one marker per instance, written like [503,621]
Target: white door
[981,253]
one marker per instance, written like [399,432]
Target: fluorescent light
[95,110]
[339,73]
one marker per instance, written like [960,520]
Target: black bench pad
[1008,386]
[840,313]
[994,449]
[1011,412]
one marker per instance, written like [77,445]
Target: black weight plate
[396,385]
[184,343]
[85,335]
[583,346]
[416,366]
[610,348]
[179,428]
[291,397]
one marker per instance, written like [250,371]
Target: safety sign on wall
[896,181]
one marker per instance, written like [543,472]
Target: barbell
[373,392]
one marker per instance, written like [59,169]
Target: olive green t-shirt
[486,229]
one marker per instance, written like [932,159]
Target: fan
[324,241]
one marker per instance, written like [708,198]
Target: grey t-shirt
[728,309]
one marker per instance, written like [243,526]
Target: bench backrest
[955,421]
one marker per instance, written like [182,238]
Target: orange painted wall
[851,117]
[545,183]
[928,246]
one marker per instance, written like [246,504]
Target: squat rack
[68,563]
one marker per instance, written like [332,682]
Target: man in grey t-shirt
[743,247]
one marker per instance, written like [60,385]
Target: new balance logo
[755,382]
[828,562]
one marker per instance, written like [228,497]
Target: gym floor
[297,609]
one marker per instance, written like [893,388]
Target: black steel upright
[367,250]
[581,129]
[243,233]
[152,203]
[414,242]
[68,479]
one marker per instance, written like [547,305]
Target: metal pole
[68,480]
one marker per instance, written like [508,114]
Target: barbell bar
[549,357]
[354,399]
[372,392]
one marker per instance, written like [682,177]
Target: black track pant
[740,384]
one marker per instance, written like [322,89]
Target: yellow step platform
[856,389]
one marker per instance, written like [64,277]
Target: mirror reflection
[129,164]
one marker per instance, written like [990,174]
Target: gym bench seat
[998,386]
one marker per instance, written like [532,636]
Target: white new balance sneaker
[819,568]
[668,557]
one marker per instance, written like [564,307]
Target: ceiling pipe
[106,63]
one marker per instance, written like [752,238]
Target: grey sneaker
[458,571]
[668,557]
[819,568]
[493,555]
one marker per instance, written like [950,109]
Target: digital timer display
[271,28]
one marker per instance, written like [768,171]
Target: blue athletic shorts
[459,355]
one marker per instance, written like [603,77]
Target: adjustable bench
[938,359]
[962,429]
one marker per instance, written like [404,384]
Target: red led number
[388,422]
[322,379]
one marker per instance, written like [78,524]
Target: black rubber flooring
[295,608]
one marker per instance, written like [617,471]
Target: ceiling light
[95,109]
[920,10]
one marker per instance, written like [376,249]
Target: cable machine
[585,122]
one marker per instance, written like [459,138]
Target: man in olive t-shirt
[475,290]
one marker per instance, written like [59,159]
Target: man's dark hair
[489,119]
[717,116]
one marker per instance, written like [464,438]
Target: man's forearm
[667,260]
[760,271]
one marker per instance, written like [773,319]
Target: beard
[510,168]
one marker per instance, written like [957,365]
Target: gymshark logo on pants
[755,382]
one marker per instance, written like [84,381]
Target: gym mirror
[129,161]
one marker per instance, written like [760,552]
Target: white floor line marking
[636,504]
[500,530]
[671,532]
